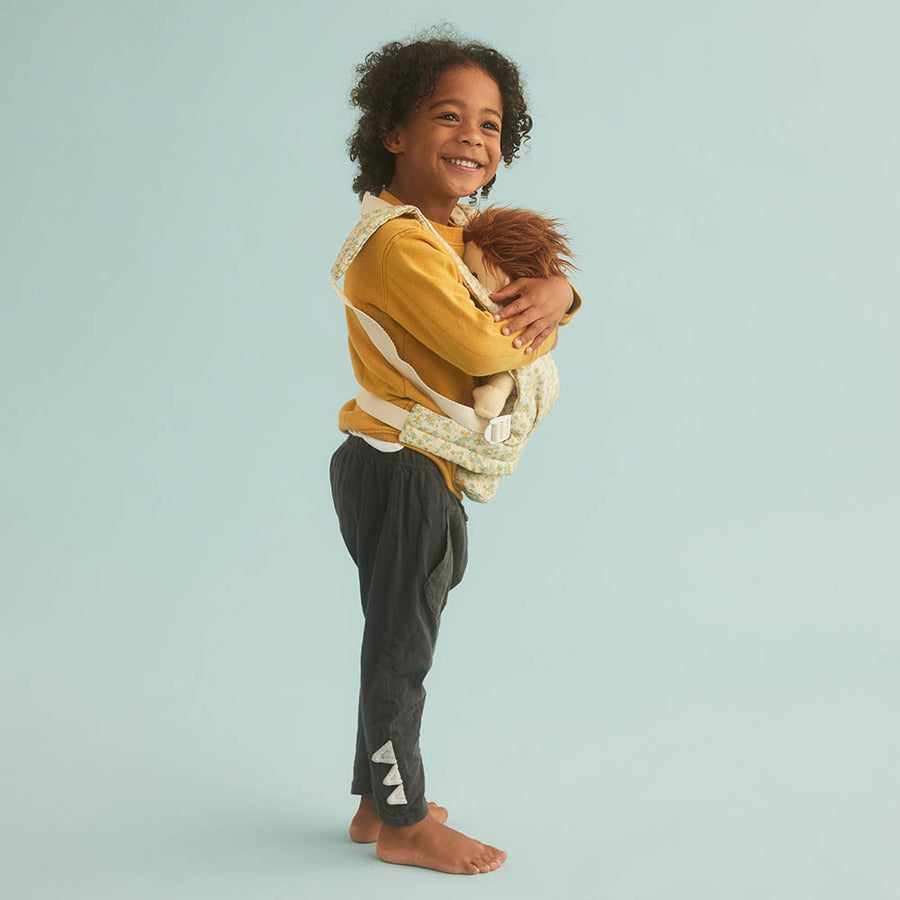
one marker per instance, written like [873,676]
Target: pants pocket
[437,585]
[449,571]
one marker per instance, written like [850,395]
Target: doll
[503,244]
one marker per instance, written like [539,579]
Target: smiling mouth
[464,163]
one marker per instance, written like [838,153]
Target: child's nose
[471,135]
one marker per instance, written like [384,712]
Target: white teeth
[467,163]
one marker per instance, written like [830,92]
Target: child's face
[450,146]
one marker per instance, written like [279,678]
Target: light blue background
[672,668]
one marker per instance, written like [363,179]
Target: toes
[485,863]
[486,858]
[438,812]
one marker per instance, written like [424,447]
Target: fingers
[521,313]
[534,313]
[511,309]
[523,320]
[513,289]
[536,334]
[535,329]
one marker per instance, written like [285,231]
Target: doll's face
[493,279]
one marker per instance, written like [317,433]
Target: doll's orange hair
[520,242]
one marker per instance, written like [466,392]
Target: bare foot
[432,845]
[365,825]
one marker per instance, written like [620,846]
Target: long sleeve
[423,294]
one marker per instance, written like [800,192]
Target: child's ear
[393,141]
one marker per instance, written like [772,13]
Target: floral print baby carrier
[484,450]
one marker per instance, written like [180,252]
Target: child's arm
[424,295]
[541,305]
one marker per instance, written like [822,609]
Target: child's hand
[539,306]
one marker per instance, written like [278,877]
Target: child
[437,116]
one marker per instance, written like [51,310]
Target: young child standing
[437,116]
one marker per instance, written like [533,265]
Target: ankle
[409,831]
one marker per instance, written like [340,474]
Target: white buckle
[498,429]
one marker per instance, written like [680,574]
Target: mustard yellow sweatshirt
[410,285]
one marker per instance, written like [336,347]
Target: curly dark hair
[394,80]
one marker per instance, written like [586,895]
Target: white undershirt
[383,446]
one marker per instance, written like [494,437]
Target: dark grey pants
[406,533]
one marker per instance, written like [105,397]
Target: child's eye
[493,125]
[448,115]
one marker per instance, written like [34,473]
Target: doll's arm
[491,397]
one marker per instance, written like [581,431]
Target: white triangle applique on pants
[385,754]
[396,797]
